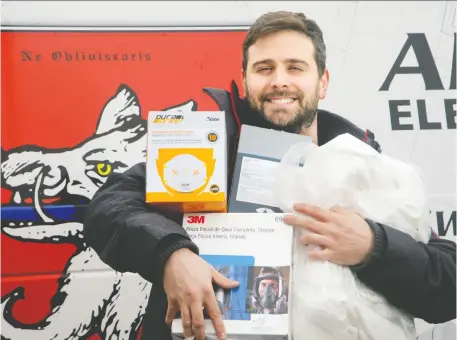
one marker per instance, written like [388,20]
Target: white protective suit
[327,301]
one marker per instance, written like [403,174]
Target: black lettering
[424,124]
[454,61]
[396,114]
[426,64]
[56,56]
[68,56]
[91,56]
[148,56]
[26,56]
[107,57]
[29,56]
[442,230]
[451,113]
[133,56]
[125,57]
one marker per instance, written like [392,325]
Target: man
[285,76]
[269,297]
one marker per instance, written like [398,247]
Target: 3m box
[256,251]
[259,153]
[186,161]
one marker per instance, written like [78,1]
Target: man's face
[263,285]
[282,81]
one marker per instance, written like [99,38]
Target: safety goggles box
[255,250]
[186,161]
[259,152]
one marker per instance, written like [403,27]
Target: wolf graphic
[91,298]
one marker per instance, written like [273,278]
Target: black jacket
[131,236]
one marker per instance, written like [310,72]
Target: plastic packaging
[329,302]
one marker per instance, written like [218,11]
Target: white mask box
[186,160]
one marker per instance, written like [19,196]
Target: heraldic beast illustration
[109,303]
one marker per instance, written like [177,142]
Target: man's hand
[188,285]
[344,237]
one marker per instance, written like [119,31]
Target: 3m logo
[196,219]
[174,119]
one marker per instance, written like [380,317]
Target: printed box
[186,161]
[255,250]
[259,153]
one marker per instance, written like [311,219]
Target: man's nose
[280,78]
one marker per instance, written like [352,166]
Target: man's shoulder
[137,169]
[136,172]
[330,125]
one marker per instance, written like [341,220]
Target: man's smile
[281,101]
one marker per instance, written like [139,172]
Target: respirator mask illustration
[268,287]
[185,170]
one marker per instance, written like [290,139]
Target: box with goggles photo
[186,160]
[255,250]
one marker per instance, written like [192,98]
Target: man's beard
[303,116]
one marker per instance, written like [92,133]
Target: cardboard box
[186,161]
[256,251]
[259,153]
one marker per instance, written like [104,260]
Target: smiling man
[284,77]
[282,80]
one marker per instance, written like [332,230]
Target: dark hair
[267,270]
[274,22]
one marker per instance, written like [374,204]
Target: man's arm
[128,234]
[419,278]
[416,277]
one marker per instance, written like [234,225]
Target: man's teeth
[282,101]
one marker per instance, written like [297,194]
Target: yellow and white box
[186,162]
